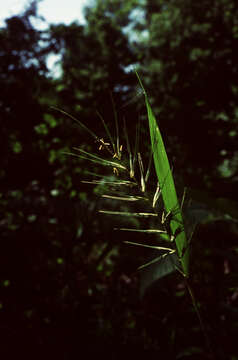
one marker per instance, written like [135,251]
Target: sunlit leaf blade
[124,213]
[165,179]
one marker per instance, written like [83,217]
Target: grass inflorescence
[128,181]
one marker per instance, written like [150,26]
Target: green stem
[201,322]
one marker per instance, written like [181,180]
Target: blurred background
[68,284]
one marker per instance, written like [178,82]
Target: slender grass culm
[130,175]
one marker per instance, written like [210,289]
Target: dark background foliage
[68,284]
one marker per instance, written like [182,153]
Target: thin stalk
[108,133]
[118,152]
[201,322]
[78,122]
[128,149]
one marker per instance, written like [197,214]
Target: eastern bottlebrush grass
[131,175]
[128,182]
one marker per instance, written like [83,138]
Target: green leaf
[166,181]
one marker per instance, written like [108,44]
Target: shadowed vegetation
[69,284]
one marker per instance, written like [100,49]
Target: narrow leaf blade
[165,179]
